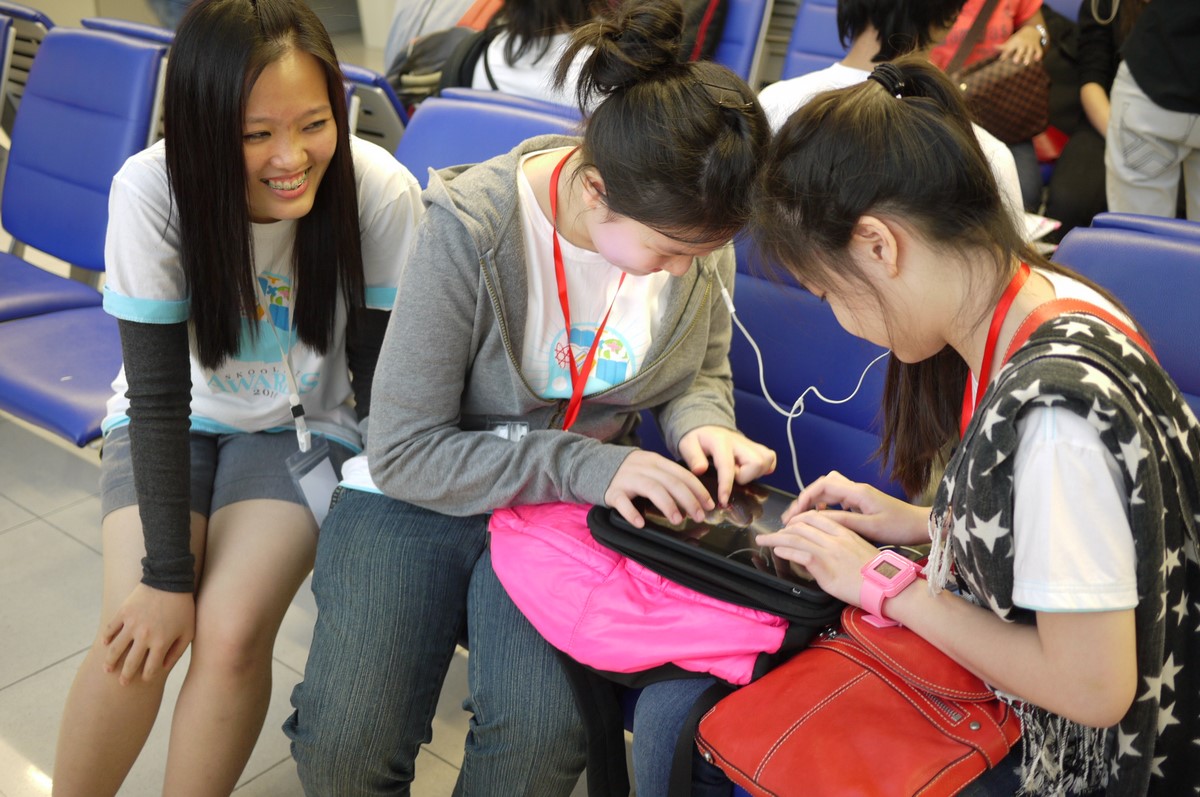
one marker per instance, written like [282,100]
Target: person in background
[1063,567]
[168,12]
[1153,139]
[252,259]
[554,293]
[1016,30]
[1076,190]
[414,18]
[523,56]
[877,31]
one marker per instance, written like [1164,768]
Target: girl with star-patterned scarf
[1063,567]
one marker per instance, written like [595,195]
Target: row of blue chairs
[90,101]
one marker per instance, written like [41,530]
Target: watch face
[886,569]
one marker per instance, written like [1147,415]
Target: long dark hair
[677,143]
[531,23]
[861,150]
[220,49]
[904,26]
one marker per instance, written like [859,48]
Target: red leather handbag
[862,712]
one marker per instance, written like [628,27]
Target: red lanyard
[970,398]
[579,376]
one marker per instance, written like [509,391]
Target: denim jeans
[1002,780]
[658,720]
[395,585]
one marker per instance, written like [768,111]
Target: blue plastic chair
[380,116]
[56,370]
[30,27]
[448,132]
[814,43]
[125,27]
[1156,225]
[89,105]
[802,345]
[1155,274]
[513,100]
[742,37]
[136,30]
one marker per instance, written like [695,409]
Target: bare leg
[258,555]
[104,724]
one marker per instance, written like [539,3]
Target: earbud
[797,408]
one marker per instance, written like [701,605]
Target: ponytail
[899,145]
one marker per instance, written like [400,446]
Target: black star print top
[1095,372]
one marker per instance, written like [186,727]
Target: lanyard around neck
[303,435]
[579,376]
[972,395]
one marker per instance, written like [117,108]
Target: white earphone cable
[797,408]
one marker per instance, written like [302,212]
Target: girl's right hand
[150,631]
[865,510]
[672,488]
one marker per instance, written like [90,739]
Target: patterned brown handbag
[1008,99]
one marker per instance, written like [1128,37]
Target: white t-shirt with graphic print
[592,285]
[249,391]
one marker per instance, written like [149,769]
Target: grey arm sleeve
[157,368]
[362,352]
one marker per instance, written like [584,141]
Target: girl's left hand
[1024,46]
[832,553]
[735,456]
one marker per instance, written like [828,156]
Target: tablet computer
[726,537]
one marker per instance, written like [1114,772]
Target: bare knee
[233,649]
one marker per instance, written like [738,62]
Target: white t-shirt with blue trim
[249,392]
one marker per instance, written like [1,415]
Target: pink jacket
[611,613]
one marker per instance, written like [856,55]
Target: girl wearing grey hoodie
[552,295]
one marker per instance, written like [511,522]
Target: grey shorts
[226,468]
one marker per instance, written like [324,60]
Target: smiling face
[288,137]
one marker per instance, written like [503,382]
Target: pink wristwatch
[885,576]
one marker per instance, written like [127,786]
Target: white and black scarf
[1082,365]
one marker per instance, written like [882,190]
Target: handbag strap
[1056,307]
[974,34]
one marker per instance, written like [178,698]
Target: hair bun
[636,41]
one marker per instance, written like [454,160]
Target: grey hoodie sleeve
[417,450]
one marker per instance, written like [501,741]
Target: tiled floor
[50,577]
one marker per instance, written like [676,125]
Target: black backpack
[439,60]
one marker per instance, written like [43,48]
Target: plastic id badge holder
[312,472]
